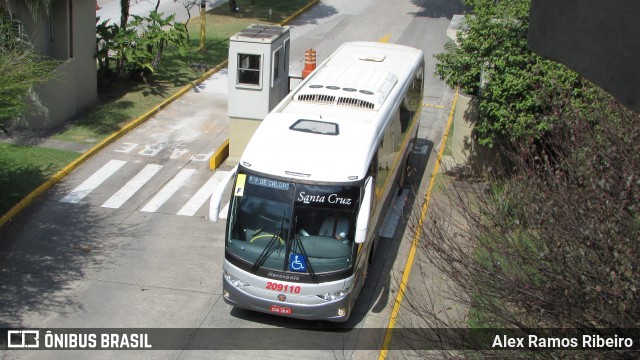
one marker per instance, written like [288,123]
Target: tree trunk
[124,12]
[156,59]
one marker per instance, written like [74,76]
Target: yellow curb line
[298,13]
[219,155]
[102,144]
[414,242]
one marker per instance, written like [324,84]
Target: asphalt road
[123,241]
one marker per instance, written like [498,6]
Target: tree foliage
[491,59]
[154,33]
[20,67]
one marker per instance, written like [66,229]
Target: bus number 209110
[293,289]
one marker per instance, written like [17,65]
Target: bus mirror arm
[216,197]
[362,224]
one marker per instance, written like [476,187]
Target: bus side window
[373,172]
[382,171]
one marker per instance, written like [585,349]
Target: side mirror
[216,197]
[362,224]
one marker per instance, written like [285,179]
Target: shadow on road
[44,253]
[440,9]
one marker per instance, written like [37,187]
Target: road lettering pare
[177,152]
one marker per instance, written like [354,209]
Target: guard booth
[258,80]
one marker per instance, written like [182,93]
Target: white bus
[313,184]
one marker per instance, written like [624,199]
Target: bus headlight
[234,280]
[336,295]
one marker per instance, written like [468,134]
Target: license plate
[281,310]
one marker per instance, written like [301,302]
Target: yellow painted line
[385,39]
[433,106]
[414,242]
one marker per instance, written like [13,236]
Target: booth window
[249,69]
[276,66]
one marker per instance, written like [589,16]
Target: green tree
[491,59]
[21,68]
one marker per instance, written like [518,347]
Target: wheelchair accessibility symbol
[297,262]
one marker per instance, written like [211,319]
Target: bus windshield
[290,227]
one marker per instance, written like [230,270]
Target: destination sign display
[270,183]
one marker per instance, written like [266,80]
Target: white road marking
[93,181]
[130,188]
[224,211]
[196,202]
[168,190]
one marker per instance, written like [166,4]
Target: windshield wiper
[266,252]
[269,249]
[297,243]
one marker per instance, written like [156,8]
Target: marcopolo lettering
[283,276]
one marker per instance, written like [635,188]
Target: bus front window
[276,225]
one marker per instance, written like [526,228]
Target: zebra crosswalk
[130,178]
[130,188]
[93,181]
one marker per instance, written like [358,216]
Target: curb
[219,156]
[130,126]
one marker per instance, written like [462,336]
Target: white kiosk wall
[258,80]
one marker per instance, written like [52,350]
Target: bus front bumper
[337,310]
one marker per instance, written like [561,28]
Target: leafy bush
[491,59]
[138,47]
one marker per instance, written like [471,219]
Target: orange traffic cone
[309,62]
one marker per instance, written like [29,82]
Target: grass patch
[442,180]
[24,168]
[448,146]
